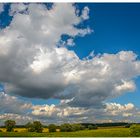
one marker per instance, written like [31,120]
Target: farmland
[101,132]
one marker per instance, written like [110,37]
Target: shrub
[52,128]
[135,130]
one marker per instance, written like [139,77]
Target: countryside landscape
[69,69]
[36,129]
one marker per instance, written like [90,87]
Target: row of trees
[36,126]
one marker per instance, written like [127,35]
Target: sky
[64,62]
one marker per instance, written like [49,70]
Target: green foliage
[71,127]
[36,126]
[135,130]
[66,127]
[95,127]
[91,127]
[29,126]
[10,124]
[52,128]
[77,127]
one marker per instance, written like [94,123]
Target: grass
[107,132]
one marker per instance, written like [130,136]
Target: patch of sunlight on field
[3,129]
[57,130]
[45,130]
[20,129]
[15,129]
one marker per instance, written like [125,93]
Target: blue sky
[114,27]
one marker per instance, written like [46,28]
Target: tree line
[36,126]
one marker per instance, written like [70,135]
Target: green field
[106,132]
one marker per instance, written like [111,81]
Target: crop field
[101,132]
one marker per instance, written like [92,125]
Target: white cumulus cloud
[35,66]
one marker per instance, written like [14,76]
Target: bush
[10,124]
[91,127]
[36,126]
[135,130]
[52,128]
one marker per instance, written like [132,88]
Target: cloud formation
[13,108]
[35,67]
[11,104]
[20,119]
[36,63]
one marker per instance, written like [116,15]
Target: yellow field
[15,129]
[25,130]
[45,130]
[3,129]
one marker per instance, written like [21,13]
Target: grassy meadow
[100,132]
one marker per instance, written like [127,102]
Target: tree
[10,124]
[36,126]
[90,127]
[52,128]
[66,128]
[77,127]
[30,127]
